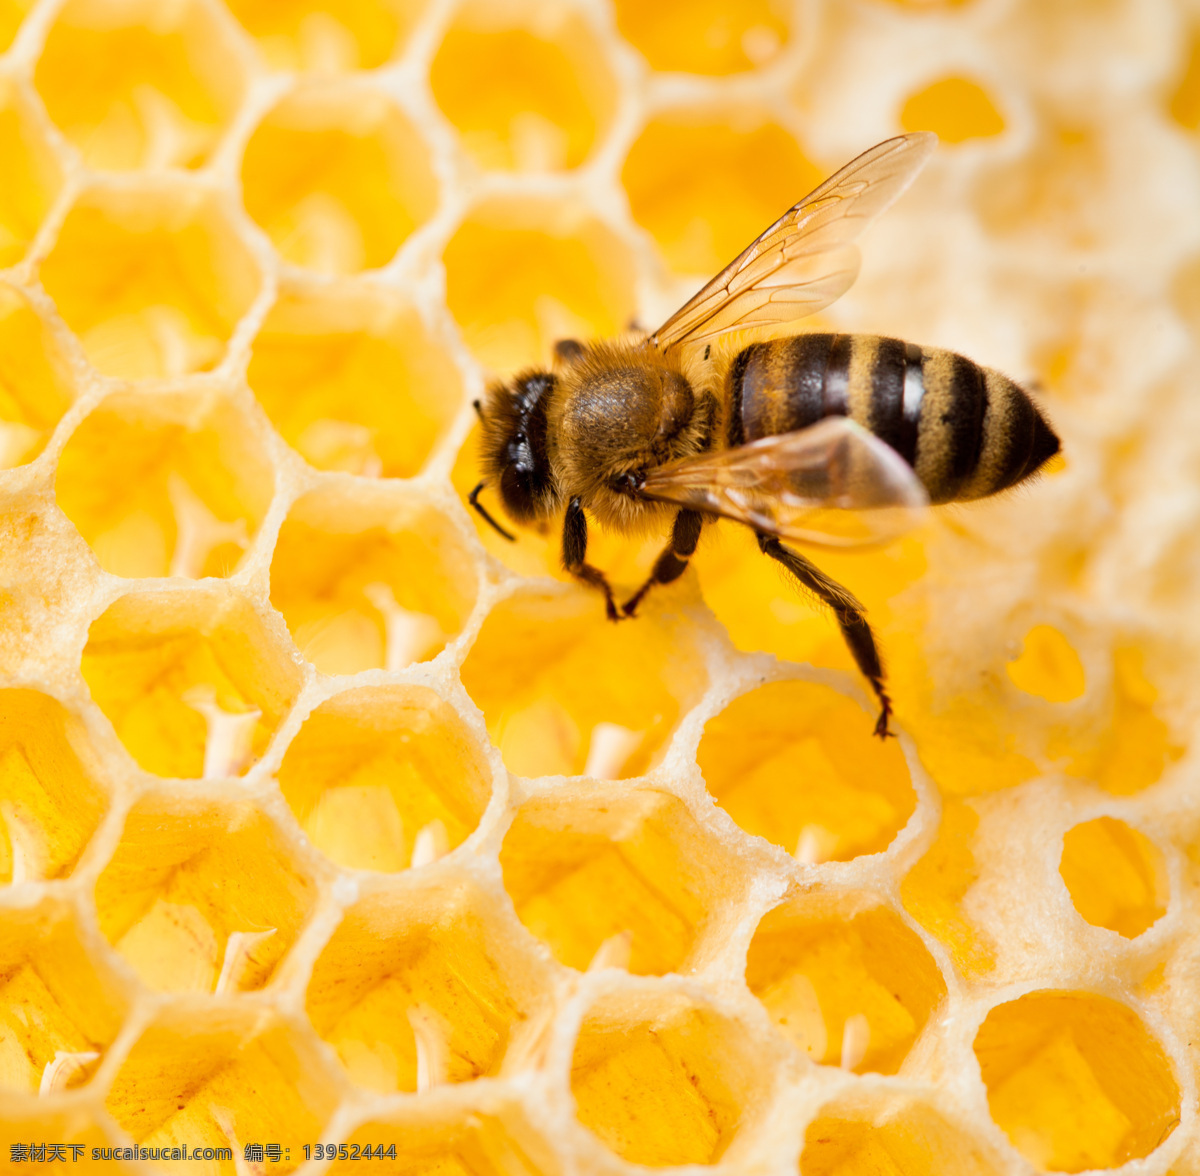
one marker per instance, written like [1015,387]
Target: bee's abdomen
[966,430]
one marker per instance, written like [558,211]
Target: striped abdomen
[966,430]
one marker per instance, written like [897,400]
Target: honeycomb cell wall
[339,834]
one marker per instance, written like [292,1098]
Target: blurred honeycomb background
[327,818]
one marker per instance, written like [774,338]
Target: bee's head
[514,454]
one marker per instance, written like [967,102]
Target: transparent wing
[806,259]
[833,484]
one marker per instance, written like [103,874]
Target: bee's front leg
[574,552]
[673,561]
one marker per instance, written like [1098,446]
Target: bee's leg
[574,551]
[851,616]
[673,562]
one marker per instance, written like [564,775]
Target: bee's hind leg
[673,561]
[574,553]
[851,616]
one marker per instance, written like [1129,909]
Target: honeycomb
[338,834]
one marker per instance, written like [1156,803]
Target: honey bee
[828,439]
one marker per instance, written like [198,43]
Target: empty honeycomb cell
[484,1140]
[1184,105]
[50,799]
[523,272]
[202,894]
[381,776]
[844,980]
[1116,876]
[663,1079]
[934,889]
[369,578]
[1076,1080]
[418,988]
[710,37]
[351,378]
[1129,746]
[566,692]
[1048,666]
[704,184]
[532,95]
[891,1136]
[35,379]
[136,84]
[193,681]
[165,484]
[338,178]
[624,877]
[223,1075]
[955,109]
[152,279]
[60,1007]
[32,174]
[796,763]
[325,37]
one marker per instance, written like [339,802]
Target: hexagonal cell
[844,980]
[385,777]
[954,108]
[934,889]
[1116,876]
[420,988]
[1127,747]
[324,37]
[856,795]
[616,876]
[193,681]
[1076,1080]
[663,1079]
[566,692]
[696,182]
[351,378]
[152,280]
[1048,666]
[32,174]
[709,37]
[526,86]
[524,272]
[338,178]
[489,1139]
[222,1075]
[35,380]
[202,894]
[50,801]
[60,1007]
[166,484]
[889,1134]
[370,578]
[134,84]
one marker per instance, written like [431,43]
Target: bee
[818,438]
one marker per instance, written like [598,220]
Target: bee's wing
[833,484]
[806,259]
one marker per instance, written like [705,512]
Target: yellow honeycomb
[339,835]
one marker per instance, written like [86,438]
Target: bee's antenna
[473,499]
[478,407]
